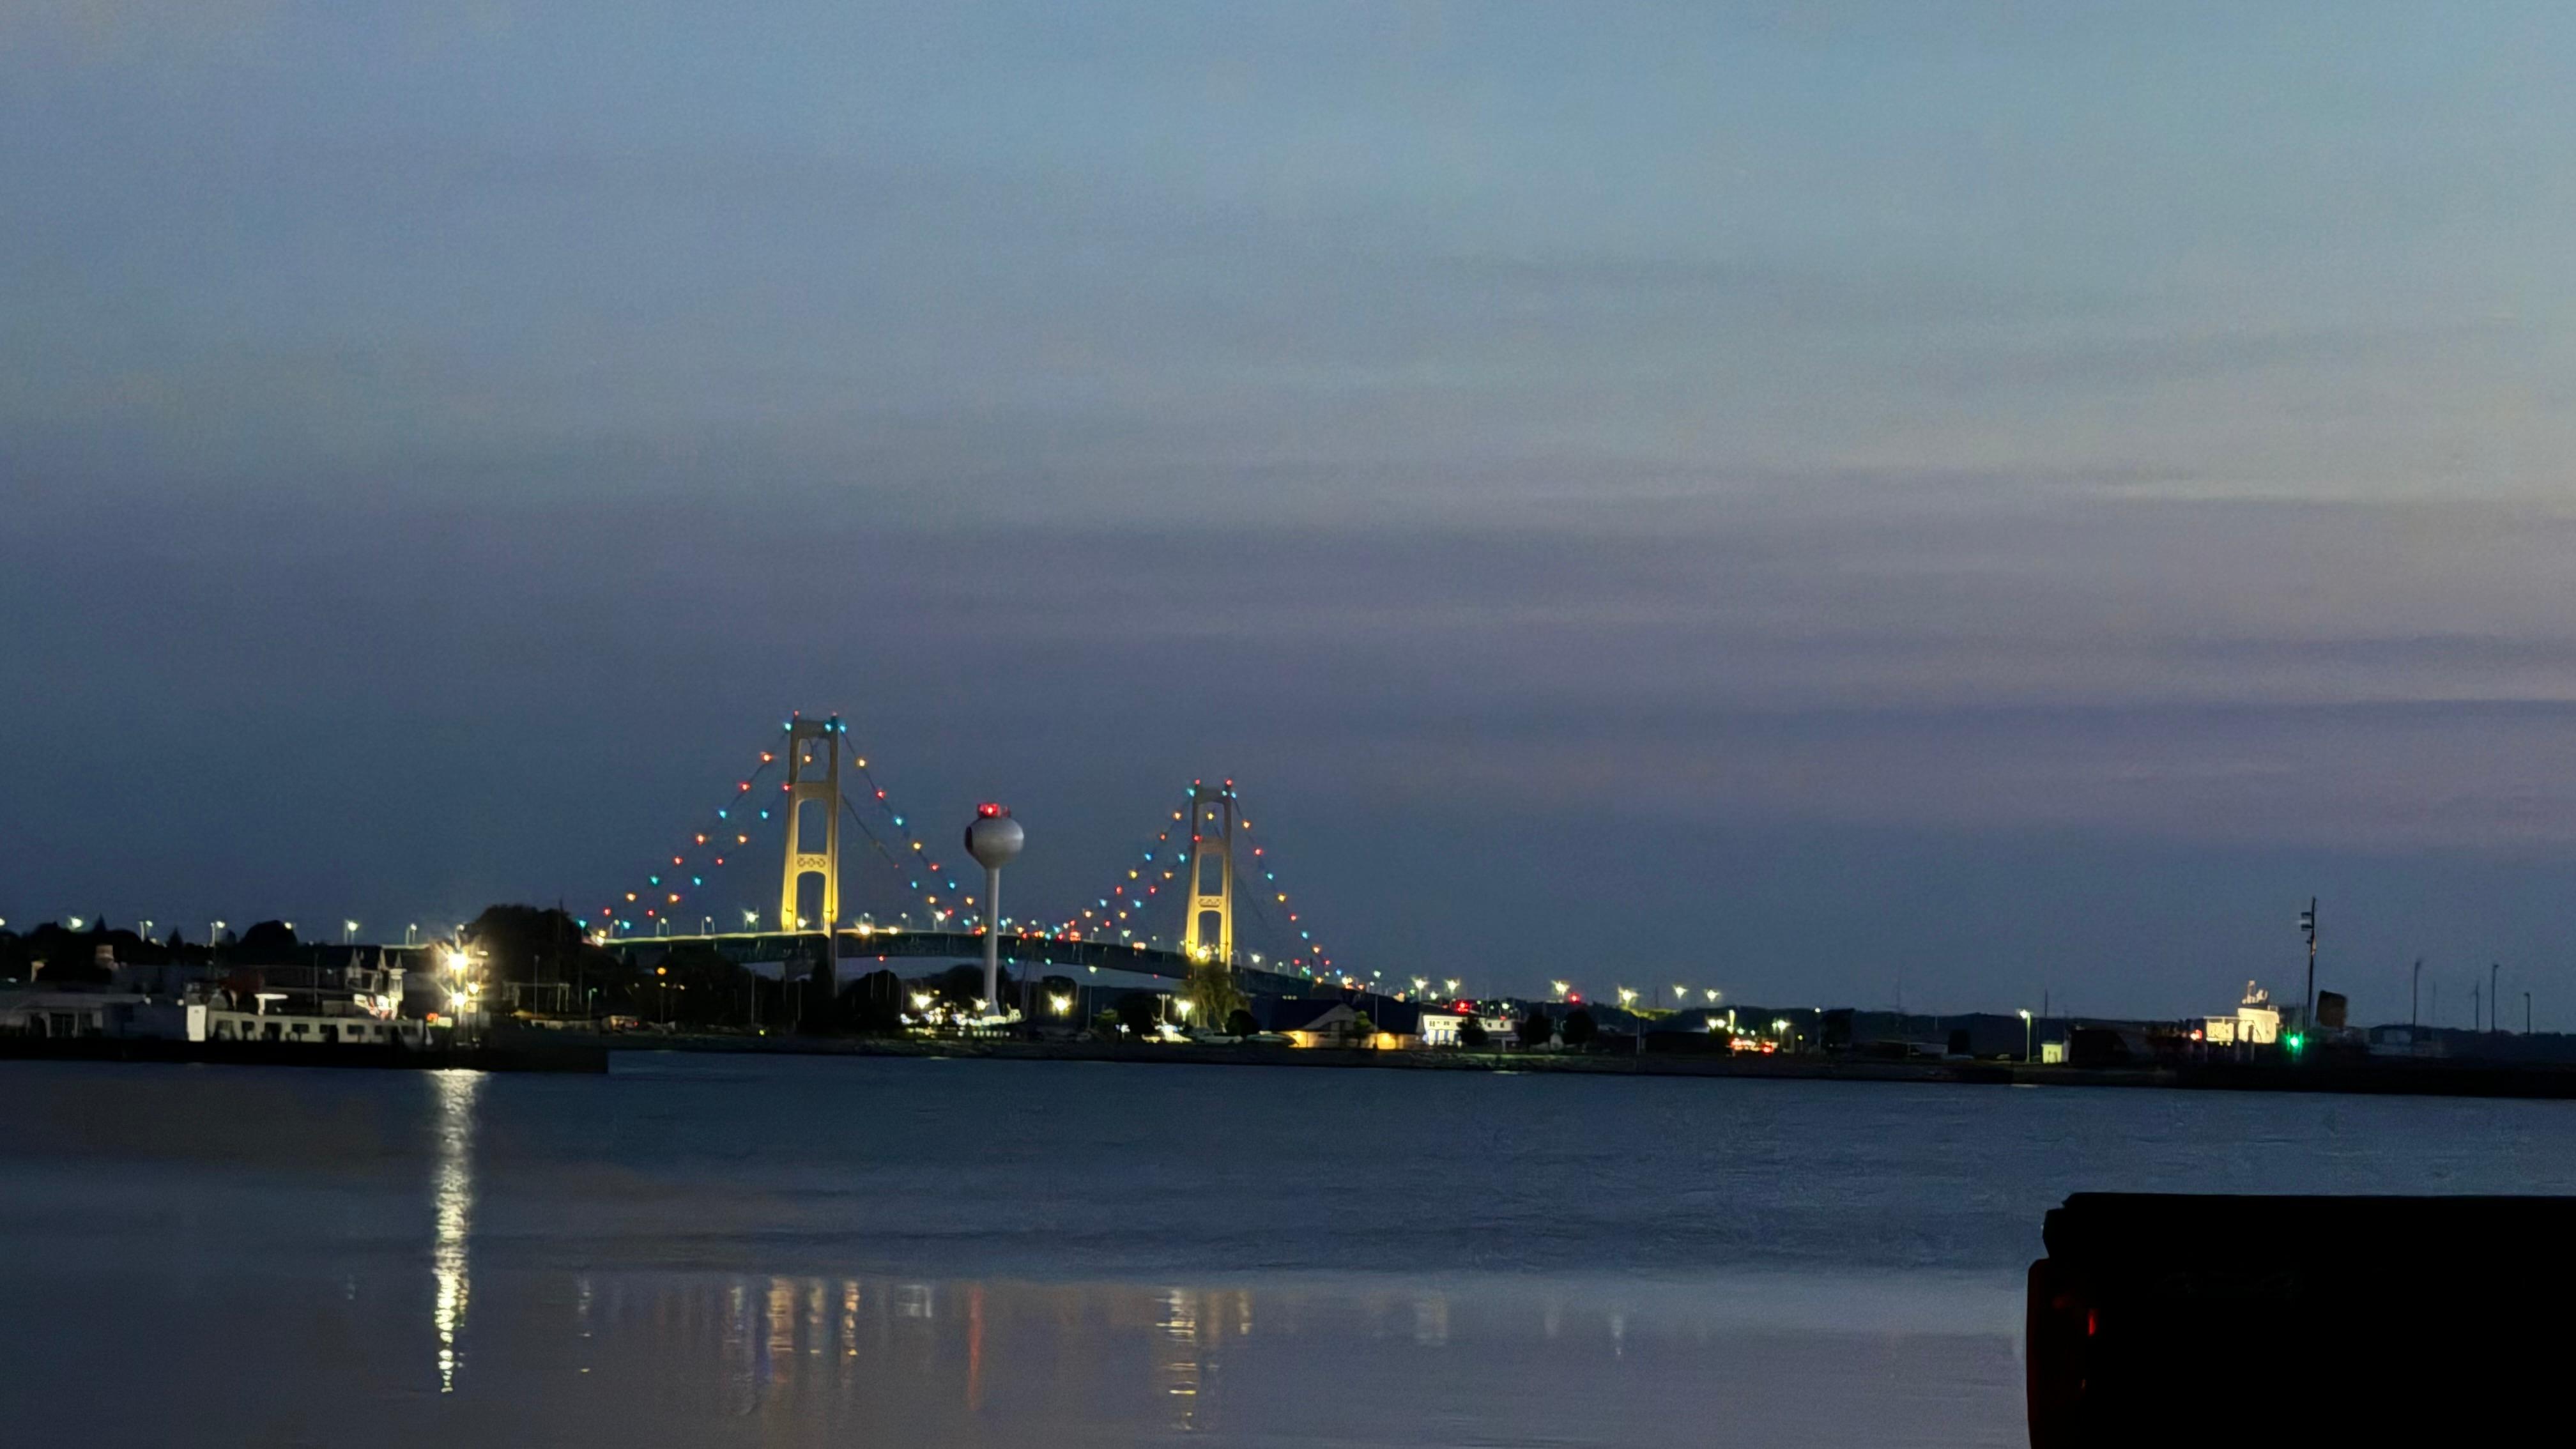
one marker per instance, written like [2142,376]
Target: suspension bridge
[1173,909]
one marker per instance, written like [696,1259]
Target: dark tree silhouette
[1136,1013]
[873,1004]
[270,938]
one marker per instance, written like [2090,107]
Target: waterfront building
[2255,1022]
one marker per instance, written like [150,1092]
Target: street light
[1560,988]
[2025,1035]
[411,934]
[1452,984]
[214,934]
[348,933]
[1627,998]
[750,919]
[1713,995]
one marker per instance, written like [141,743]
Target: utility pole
[2526,1013]
[2492,1000]
[2308,1011]
[2476,1022]
[2415,1000]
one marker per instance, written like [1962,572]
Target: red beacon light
[989,810]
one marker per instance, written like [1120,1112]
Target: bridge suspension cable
[913,863]
[1122,916]
[666,889]
[653,901]
[1127,900]
[1309,957]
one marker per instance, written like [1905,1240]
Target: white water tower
[993,838]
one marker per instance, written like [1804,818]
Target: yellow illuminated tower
[813,777]
[1212,828]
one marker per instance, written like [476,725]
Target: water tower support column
[993,837]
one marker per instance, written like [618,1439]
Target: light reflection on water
[1029,1254]
[452,1200]
[822,1358]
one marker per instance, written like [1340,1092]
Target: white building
[2257,1022]
[40,1012]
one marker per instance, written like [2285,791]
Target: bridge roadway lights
[1156,963]
[993,837]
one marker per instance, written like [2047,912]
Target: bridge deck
[747,947]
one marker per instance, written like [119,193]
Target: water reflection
[837,1358]
[452,1200]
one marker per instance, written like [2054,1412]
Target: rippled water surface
[716,1250]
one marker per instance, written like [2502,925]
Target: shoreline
[2409,1079]
[591,1053]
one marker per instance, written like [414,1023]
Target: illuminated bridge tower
[1212,827]
[813,780]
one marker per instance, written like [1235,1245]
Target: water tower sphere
[994,837]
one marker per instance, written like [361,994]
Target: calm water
[699,1250]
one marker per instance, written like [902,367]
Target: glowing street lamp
[1452,984]
[2025,1034]
[1059,1003]
[1560,988]
[750,920]
[1627,998]
[348,933]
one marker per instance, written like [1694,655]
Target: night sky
[1822,500]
